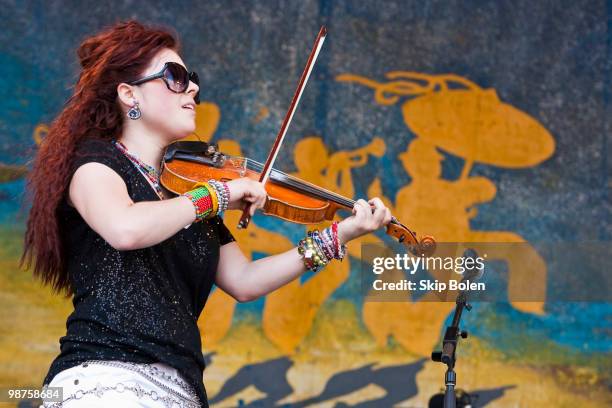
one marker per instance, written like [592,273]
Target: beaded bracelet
[222,191]
[323,242]
[209,198]
[319,248]
[201,198]
[330,237]
[227,192]
[314,259]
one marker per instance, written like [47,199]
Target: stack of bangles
[209,199]
[320,247]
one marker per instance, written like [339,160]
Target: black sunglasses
[176,78]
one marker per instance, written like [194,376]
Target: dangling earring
[134,112]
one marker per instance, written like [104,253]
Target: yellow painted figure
[473,124]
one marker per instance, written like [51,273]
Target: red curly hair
[118,54]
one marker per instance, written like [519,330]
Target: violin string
[300,184]
[286,179]
[315,190]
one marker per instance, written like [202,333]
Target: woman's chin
[192,126]
[185,131]
[177,136]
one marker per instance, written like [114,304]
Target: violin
[289,198]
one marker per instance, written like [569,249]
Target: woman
[139,262]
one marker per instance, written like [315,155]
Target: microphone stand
[449,345]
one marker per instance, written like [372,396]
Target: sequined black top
[141,305]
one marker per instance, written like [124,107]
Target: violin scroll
[426,246]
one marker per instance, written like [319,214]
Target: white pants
[116,384]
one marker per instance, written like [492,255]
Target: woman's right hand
[245,191]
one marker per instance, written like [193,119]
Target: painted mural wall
[474,121]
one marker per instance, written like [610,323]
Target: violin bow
[245,219]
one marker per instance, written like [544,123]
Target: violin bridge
[243,167]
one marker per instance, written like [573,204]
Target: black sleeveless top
[142,305]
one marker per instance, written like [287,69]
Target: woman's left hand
[368,216]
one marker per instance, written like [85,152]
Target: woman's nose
[193,87]
[194,90]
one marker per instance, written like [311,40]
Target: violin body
[289,198]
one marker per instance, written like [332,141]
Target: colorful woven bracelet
[341,248]
[323,249]
[327,250]
[328,245]
[216,198]
[332,242]
[202,201]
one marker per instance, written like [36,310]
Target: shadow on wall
[399,383]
